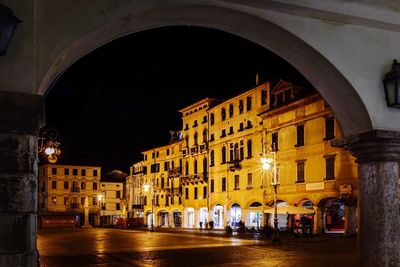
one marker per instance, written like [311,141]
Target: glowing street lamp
[269,163]
[100,199]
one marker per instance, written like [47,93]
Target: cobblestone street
[110,247]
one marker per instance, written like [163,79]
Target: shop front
[177,218]
[189,218]
[333,216]
[163,219]
[254,216]
[218,217]
[235,215]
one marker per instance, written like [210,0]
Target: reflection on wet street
[110,247]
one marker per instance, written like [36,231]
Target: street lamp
[100,199]
[269,163]
[148,188]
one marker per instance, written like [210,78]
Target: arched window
[187,168]
[187,140]
[195,166]
[195,137]
[212,158]
[249,148]
[205,168]
[223,155]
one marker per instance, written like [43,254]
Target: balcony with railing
[174,173]
[195,179]
[234,165]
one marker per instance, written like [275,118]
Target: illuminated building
[213,171]
[112,202]
[63,189]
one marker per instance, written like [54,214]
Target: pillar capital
[373,146]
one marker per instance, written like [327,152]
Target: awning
[288,209]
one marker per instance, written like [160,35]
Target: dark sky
[123,97]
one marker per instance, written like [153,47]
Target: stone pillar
[350,213]
[378,155]
[21,116]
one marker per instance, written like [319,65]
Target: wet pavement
[112,247]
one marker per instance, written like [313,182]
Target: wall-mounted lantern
[392,86]
[8,23]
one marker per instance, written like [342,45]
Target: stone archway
[327,80]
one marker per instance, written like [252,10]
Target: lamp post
[100,198]
[148,188]
[269,163]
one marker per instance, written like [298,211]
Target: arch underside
[327,80]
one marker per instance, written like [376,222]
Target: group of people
[207,225]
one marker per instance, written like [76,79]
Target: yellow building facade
[211,174]
[62,189]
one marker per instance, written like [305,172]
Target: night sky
[123,98]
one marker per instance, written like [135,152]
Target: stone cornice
[377,145]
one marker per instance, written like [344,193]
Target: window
[187,140]
[172,200]
[300,135]
[157,154]
[249,149]
[330,167]
[53,184]
[118,206]
[212,119]
[300,171]
[186,127]
[205,192]
[172,164]
[82,201]
[144,169]
[237,177]
[118,194]
[205,168]
[166,165]
[54,171]
[204,136]
[155,167]
[186,193]
[241,105]
[66,201]
[157,200]
[275,142]
[249,180]
[212,158]
[94,186]
[249,125]
[162,182]
[195,138]
[212,137]
[66,171]
[94,201]
[223,186]
[223,155]
[212,186]
[167,151]
[223,114]
[83,185]
[75,172]
[230,130]
[94,172]
[329,128]
[241,127]
[66,184]
[231,152]
[230,110]
[195,166]
[241,150]
[53,200]
[187,168]
[204,120]
[195,123]
[223,133]
[263,97]
[83,172]
[196,193]
[248,104]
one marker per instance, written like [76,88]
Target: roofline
[66,165]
